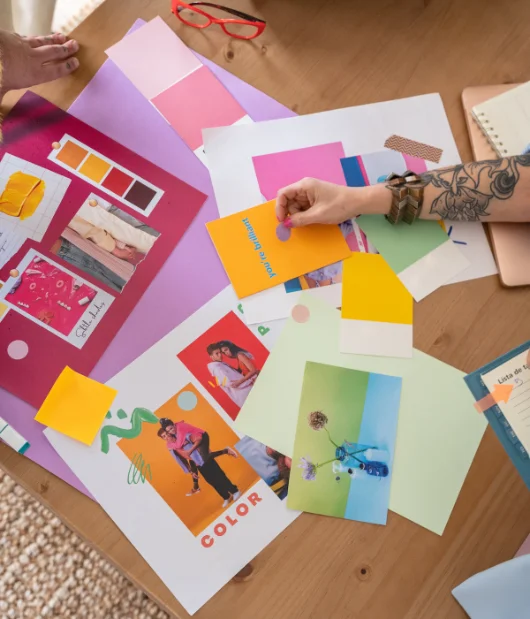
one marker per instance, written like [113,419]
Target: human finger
[52,39]
[287,197]
[301,219]
[48,53]
[53,71]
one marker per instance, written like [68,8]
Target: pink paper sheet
[278,170]
[191,276]
[186,92]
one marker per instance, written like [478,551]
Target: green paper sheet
[402,245]
[439,430]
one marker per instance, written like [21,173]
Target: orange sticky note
[76,406]
[259,253]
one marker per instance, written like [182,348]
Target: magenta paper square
[277,170]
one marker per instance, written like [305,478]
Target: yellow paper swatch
[257,254]
[372,291]
[76,406]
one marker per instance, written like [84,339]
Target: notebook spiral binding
[490,133]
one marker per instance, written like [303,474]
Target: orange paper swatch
[258,253]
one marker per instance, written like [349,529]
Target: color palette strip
[106,175]
[185,92]
[376,314]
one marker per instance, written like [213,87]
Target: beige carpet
[46,571]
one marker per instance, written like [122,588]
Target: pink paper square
[277,170]
[197,102]
[138,57]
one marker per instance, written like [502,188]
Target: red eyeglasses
[246,27]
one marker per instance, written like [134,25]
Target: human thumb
[299,220]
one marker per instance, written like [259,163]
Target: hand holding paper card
[344,444]
[255,258]
[76,406]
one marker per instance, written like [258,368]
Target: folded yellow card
[372,291]
[259,253]
[76,406]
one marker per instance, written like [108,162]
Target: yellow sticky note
[372,291]
[76,406]
[259,253]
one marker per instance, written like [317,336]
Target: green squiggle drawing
[138,416]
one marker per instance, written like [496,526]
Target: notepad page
[505,120]
[516,371]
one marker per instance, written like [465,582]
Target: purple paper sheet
[191,276]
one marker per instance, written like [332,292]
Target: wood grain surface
[318,55]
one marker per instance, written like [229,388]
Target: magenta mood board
[95,223]
[173,294]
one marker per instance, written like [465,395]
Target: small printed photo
[105,242]
[272,466]
[331,274]
[344,444]
[51,296]
[226,359]
[191,459]
[29,198]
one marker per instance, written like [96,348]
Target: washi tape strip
[413,148]
[500,393]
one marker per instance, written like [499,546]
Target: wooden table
[318,55]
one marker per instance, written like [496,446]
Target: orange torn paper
[258,253]
[76,406]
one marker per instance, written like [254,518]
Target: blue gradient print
[369,496]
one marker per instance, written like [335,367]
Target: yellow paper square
[95,168]
[76,406]
[251,251]
[372,291]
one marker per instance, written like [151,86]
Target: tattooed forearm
[465,192]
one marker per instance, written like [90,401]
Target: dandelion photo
[344,443]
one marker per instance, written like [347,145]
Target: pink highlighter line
[363,170]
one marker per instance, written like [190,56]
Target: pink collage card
[85,226]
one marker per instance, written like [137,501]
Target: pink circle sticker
[283,233]
[18,350]
[300,313]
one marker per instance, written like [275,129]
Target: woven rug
[46,571]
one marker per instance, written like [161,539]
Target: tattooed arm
[497,190]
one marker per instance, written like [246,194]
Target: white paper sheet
[381,339]
[192,571]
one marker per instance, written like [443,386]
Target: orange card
[259,253]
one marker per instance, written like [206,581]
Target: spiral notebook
[510,241]
[505,120]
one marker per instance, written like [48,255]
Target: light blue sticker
[187,400]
